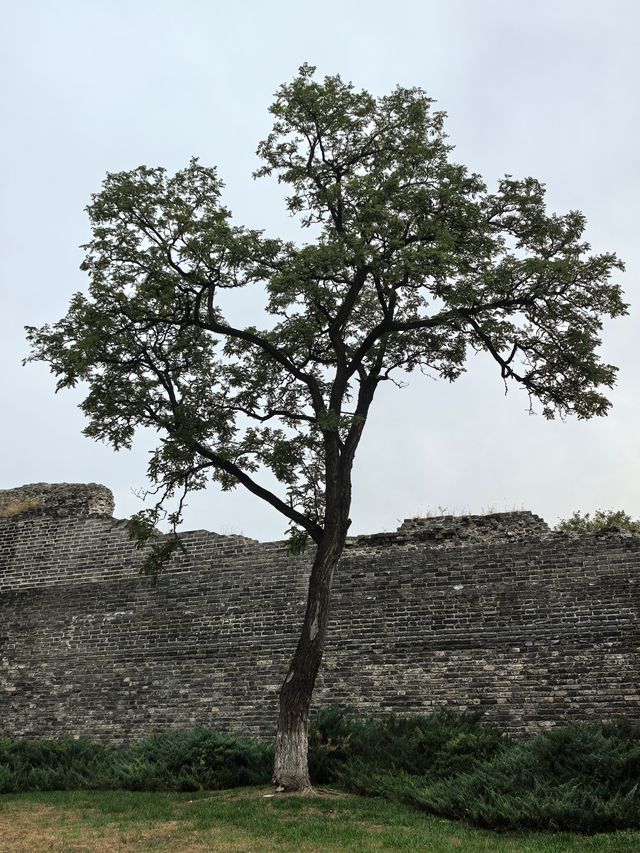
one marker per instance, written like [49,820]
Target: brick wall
[490,611]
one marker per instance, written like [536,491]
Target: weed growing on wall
[15,508]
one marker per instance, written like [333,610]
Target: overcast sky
[548,89]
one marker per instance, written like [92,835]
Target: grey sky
[546,88]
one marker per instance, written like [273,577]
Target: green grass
[243,820]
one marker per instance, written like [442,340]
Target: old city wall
[488,611]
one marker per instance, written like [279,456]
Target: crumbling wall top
[490,526]
[456,530]
[56,499]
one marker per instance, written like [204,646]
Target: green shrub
[178,761]
[577,778]
[45,765]
[601,519]
[346,749]
[200,758]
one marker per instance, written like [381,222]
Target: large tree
[410,262]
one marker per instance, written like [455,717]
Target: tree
[410,262]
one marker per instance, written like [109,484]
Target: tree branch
[230,331]
[314,530]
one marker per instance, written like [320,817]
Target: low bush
[190,760]
[203,759]
[580,778]
[602,519]
[47,765]
[348,750]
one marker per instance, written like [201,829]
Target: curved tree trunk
[291,769]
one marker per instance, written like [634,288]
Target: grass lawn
[244,820]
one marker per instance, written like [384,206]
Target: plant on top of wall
[15,508]
[601,520]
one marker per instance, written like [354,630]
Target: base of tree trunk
[291,769]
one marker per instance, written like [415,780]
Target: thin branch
[314,530]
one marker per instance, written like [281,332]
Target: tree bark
[291,768]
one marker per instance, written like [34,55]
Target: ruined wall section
[57,500]
[483,611]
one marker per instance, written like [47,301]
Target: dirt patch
[370,827]
[173,837]
[36,828]
[25,829]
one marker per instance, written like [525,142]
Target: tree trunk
[291,769]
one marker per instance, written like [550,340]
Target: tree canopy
[412,262]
